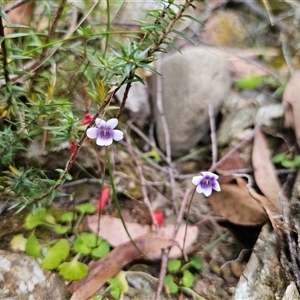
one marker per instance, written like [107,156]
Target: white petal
[112,123]
[92,133]
[103,142]
[206,191]
[217,187]
[98,121]
[196,180]
[117,135]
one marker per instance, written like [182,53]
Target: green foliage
[182,277]
[286,162]
[55,253]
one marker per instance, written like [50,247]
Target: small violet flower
[206,182]
[104,132]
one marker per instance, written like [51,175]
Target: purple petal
[112,123]
[92,133]
[117,135]
[216,186]
[210,175]
[103,142]
[196,180]
[206,191]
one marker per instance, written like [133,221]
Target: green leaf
[184,36]
[73,270]
[101,250]
[279,158]
[18,243]
[60,229]
[33,247]
[3,15]
[174,265]
[188,278]
[68,217]
[16,35]
[197,262]
[86,208]
[56,254]
[86,242]
[118,284]
[170,285]
[37,217]
[249,82]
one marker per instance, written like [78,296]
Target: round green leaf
[68,217]
[33,247]
[18,243]
[101,250]
[188,278]
[170,285]
[38,217]
[174,265]
[197,262]
[56,254]
[73,270]
[59,229]
[86,208]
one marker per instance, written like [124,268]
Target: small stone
[22,278]
[191,82]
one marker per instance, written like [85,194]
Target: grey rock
[137,102]
[22,278]
[263,277]
[191,81]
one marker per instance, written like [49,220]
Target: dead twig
[213,135]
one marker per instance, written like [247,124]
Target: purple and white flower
[104,132]
[206,182]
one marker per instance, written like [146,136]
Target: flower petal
[210,175]
[92,133]
[99,121]
[206,191]
[216,186]
[103,142]
[112,123]
[117,135]
[196,180]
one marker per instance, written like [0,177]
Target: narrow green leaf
[184,36]
[16,35]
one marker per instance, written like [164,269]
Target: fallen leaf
[291,100]
[264,170]
[19,15]
[110,225]
[235,204]
[113,262]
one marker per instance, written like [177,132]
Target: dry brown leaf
[113,262]
[291,100]
[235,204]
[110,225]
[264,171]
[20,15]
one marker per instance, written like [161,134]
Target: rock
[263,277]
[191,81]
[22,278]
[137,102]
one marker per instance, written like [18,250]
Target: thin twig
[213,135]
[143,185]
[125,96]
[146,139]
[166,251]
[161,111]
